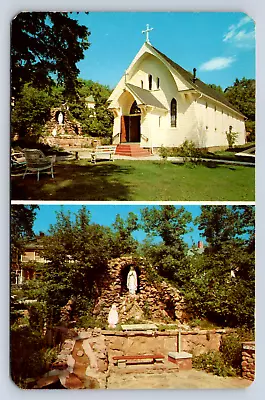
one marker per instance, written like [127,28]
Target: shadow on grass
[73,181]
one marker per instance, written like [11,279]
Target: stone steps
[131,150]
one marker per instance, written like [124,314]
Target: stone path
[155,157]
[191,379]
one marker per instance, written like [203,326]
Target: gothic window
[173,113]
[135,109]
[157,83]
[150,81]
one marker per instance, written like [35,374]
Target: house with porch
[24,265]
[158,103]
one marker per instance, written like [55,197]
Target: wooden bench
[122,360]
[101,151]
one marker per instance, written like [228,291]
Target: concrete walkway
[84,155]
[191,379]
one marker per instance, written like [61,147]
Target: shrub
[27,354]
[164,152]
[189,152]
[213,362]
[89,321]
[231,138]
[231,348]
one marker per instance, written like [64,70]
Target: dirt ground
[191,379]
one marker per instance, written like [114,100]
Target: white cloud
[240,38]
[217,63]
[245,39]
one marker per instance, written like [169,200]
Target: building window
[142,84]
[150,81]
[159,121]
[206,105]
[157,83]
[215,108]
[173,113]
[135,109]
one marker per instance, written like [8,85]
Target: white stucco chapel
[158,103]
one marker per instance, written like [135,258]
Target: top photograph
[132,106]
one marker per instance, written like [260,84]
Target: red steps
[131,150]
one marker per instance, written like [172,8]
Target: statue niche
[129,277]
[132,281]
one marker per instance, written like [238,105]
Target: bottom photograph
[132,296]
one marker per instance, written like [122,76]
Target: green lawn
[138,180]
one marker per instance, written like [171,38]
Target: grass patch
[138,180]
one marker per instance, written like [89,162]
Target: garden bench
[101,151]
[122,360]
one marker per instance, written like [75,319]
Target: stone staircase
[131,150]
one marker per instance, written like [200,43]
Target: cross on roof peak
[147,32]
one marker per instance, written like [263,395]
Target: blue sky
[105,215]
[220,45]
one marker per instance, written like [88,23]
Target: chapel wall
[168,88]
[215,121]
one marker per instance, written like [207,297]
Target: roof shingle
[198,84]
[145,96]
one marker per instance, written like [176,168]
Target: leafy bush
[188,151]
[164,152]
[231,348]
[89,321]
[27,354]
[231,138]
[213,362]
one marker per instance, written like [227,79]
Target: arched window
[150,81]
[173,113]
[135,109]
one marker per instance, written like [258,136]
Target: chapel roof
[198,84]
[145,96]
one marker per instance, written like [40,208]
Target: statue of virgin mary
[132,281]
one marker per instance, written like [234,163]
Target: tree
[123,241]
[170,224]
[77,253]
[213,291]
[21,226]
[218,88]
[97,121]
[226,224]
[45,45]
[242,96]
[31,111]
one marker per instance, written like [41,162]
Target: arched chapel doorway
[131,125]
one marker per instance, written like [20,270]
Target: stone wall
[154,300]
[70,141]
[248,360]
[131,343]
